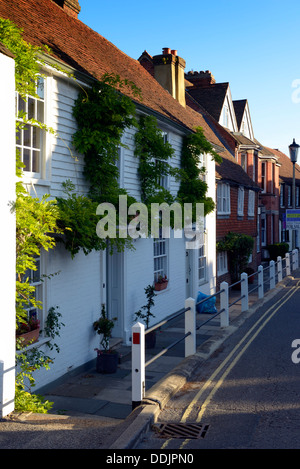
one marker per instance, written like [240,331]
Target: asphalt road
[247,396]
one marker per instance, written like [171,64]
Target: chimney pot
[166,50]
[174,52]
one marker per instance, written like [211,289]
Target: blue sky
[253,45]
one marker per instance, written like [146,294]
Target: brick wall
[238,224]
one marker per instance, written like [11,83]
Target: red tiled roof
[77,45]
[286,168]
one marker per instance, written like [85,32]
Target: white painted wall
[7,236]
[81,285]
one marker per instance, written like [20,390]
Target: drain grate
[181,430]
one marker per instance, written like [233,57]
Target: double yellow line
[209,383]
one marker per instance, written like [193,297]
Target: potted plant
[145,314]
[161,283]
[28,331]
[107,359]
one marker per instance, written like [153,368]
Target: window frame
[223,198]
[244,161]
[31,138]
[251,203]
[222,263]
[240,204]
[202,261]
[289,195]
[160,244]
[32,311]
[282,195]
[264,176]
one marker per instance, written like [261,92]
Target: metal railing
[271,274]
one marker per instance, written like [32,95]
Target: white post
[244,292]
[260,281]
[7,236]
[288,263]
[272,275]
[138,363]
[279,268]
[190,326]
[295,259]
[224,316]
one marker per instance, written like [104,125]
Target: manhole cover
[181,430]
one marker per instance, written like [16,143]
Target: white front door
[115,291]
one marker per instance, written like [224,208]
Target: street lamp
[293,148]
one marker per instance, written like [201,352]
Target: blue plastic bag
[207,306]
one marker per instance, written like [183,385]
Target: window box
[29,337]
[161,284]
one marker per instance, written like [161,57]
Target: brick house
[236,191]
[236,187]
[260,163]
[286,196]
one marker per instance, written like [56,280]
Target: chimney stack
[199,79]
[169,72]
[71,7]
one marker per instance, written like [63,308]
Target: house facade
[79,286]
[237,190]
[259,162]
[286,197]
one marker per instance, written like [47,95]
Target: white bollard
[244,292]
[295,259]
[260,282]
[288,263]
[279,268]
[138,364]
[224,316]
[272,275]
[190,326]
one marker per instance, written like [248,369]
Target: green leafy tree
[239,247]
[192,188]
[36,219]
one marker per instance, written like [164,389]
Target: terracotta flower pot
[160,286]
[29,337]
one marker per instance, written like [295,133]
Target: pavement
[94,411]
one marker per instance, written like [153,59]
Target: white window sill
[36,181]
[39,343]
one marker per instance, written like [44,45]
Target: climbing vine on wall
[193,188]
[36,219]
[155,156]
[239,247]
[102,113]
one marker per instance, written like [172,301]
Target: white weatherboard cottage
[84,283]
